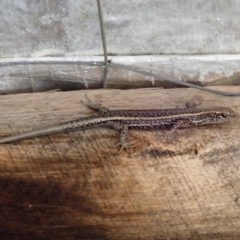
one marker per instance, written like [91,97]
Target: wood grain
[76,185]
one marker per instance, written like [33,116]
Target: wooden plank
[77,186]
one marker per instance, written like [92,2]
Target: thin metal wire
[48,60]
[57,60]
[105,67]
[172,80]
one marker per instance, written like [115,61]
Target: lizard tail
[32,134]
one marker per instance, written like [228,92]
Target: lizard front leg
[179,124]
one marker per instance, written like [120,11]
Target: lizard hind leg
[95,106]
[123,135]
[194,102]
[123,143]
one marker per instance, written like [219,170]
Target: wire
[105,70]
[172,80]
[57,60]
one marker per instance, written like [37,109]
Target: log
[77,185]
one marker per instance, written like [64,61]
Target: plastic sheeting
[138,27]
[153,35]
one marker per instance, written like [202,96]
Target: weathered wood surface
[76,186]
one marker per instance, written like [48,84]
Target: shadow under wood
[32,209]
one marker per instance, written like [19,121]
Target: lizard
[143,119]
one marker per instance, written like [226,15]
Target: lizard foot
[124,145]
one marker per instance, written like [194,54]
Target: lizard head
[224,114]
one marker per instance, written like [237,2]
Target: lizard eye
[223,115]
